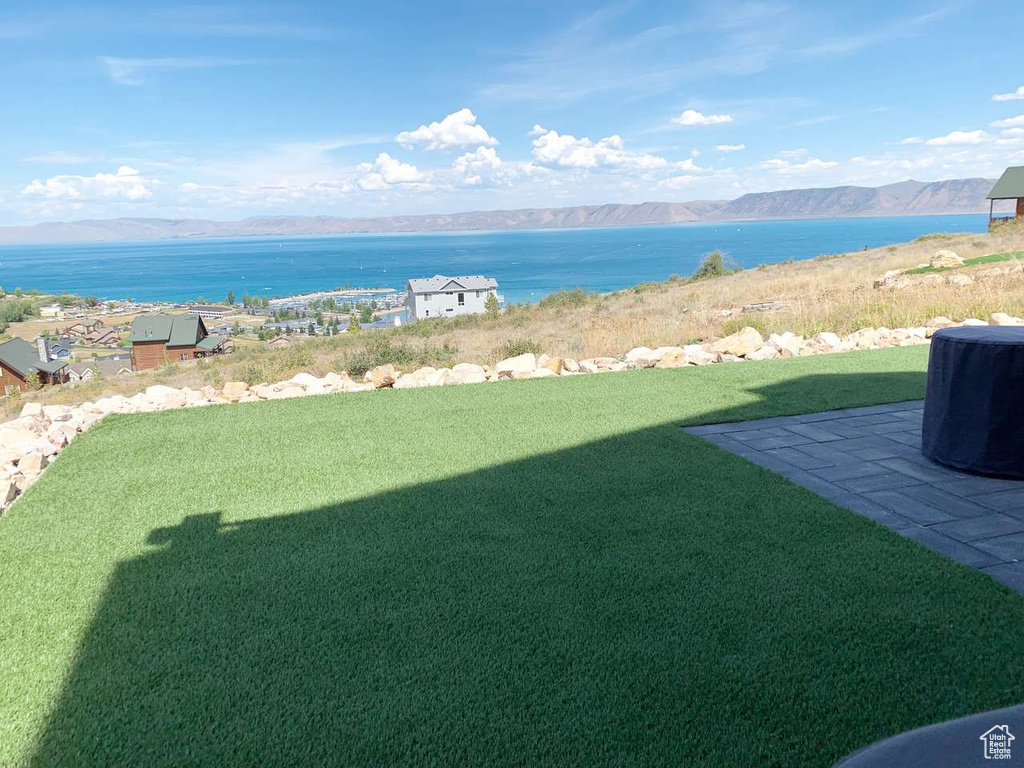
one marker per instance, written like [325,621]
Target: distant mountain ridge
[903,198]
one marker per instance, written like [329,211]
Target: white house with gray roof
[442,296]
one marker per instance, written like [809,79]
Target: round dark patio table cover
[974,400]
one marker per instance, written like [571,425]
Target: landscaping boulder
[32,409]
[165,397]
[1001,318]
[304,379]
[467,373]
[235,389]
[382,376]
[673,360]
[522,364]
[787,343]
[32,463]
[767,352]
[570,365]
[945,259]
[543,373]
[742,342]
[641,357]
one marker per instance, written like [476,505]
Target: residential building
[53,311]
[1009,187]
[113,365]
[92,332]
[210,311]
[442,296]
[157,339]
[59,349]
[279,341]
[19,359]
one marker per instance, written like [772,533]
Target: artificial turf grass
[531,573]
[992,258]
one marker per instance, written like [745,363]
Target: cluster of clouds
[470,160]
[126,183]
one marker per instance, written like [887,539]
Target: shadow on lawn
[599,605]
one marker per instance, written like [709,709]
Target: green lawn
[992,258]
[534,573]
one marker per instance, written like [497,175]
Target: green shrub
[577,297]
[515,347]
[379,350]
[713,265]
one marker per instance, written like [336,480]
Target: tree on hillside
[365,315]
[231,298]
[311,329]
[491,306]
[713,265]
[353,324]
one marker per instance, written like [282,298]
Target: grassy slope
[543,572]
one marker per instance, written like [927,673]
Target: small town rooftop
[439,283]
[23,358]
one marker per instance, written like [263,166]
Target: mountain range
[903,198]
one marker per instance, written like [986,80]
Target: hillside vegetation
[831,293]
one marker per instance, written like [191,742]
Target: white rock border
[31,442]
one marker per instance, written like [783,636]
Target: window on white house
[462,299]
[478,294]
[426,297]
[183,356]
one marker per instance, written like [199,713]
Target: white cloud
[57,157]
[789,153]
[691,117]
[472,167]
[1013,132]
[567,151]
[1012,96]
[459,129]
[731,147]
[785,167]
[386,172]
[135,71]
[958,138]
[1010,122]
[912,140]
[124,184]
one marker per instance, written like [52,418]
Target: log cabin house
[19,359]
[159,339]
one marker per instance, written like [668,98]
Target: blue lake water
[528,265]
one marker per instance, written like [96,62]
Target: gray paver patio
[869,461]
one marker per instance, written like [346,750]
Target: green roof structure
[210,343]
[23,358]
[1010,185]
[173,330]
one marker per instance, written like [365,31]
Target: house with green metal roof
[1009,187]
[19,359]
[159,339]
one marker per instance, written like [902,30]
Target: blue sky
[232,110]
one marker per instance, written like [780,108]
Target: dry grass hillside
[830,293]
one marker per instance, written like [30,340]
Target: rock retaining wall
[31,442]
